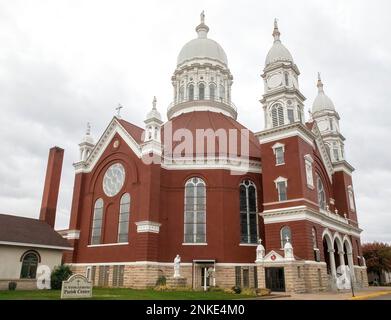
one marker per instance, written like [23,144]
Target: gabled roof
[21,231]
[135,131]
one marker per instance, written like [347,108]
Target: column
[332,263]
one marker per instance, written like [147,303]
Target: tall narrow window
[321,195]
[291,116]
[277,115]
[212,90]
[286,79]
[280,155]
[351,198]
[248,212]
[281,185]
[29,266]
[123,222]
[285,235]
[331,124]
[97,222]
[191,92]
[201,91]
[195,211]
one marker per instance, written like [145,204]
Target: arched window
[314,239]
[29,266]
[285,235]
[321,195]
[97,222]
[201,91]
[195,211]
[248,212]
[222,93]
[123,221]
[277,115]
[212,90]
[191,92]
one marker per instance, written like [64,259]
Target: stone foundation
[299,276]
[178,282]
[21,284]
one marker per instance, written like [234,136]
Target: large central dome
[202,47]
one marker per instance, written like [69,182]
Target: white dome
[322,101]
[202,48]
[278,52]
[154,114]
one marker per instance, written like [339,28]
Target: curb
[371,295]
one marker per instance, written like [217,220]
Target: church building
[273,208]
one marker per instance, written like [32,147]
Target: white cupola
[153,123]
[278,52]
[87,144]
[202,80]
[327,120]
[283,103]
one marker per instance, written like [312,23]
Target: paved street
[384,297]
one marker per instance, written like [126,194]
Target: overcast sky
[63,63]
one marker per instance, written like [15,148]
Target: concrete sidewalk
[360,294]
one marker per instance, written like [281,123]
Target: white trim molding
[148,226]
[281,179]
[70,234]
[108,244]
[327,220]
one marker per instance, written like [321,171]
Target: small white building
[25,244]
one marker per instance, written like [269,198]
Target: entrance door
[275,280]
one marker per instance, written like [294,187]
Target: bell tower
[282,100]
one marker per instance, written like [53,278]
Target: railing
[213,100]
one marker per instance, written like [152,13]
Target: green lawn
[123,294]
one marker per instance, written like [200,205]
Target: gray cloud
[63,63]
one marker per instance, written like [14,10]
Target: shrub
[59,274]
[161,281]
[12,285]
[237,289]
[248,292]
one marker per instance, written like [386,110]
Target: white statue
[343,278]
[177,263]
[288,250]
[260,251]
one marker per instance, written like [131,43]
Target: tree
[378,257]
[60,274]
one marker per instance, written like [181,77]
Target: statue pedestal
[177,282]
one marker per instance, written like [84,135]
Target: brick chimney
[52,185]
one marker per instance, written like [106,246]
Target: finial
[88,131]
[202,29]
[260,241]
[276,32]
[154,103]
[320,83]
[287,238]
[119,110]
